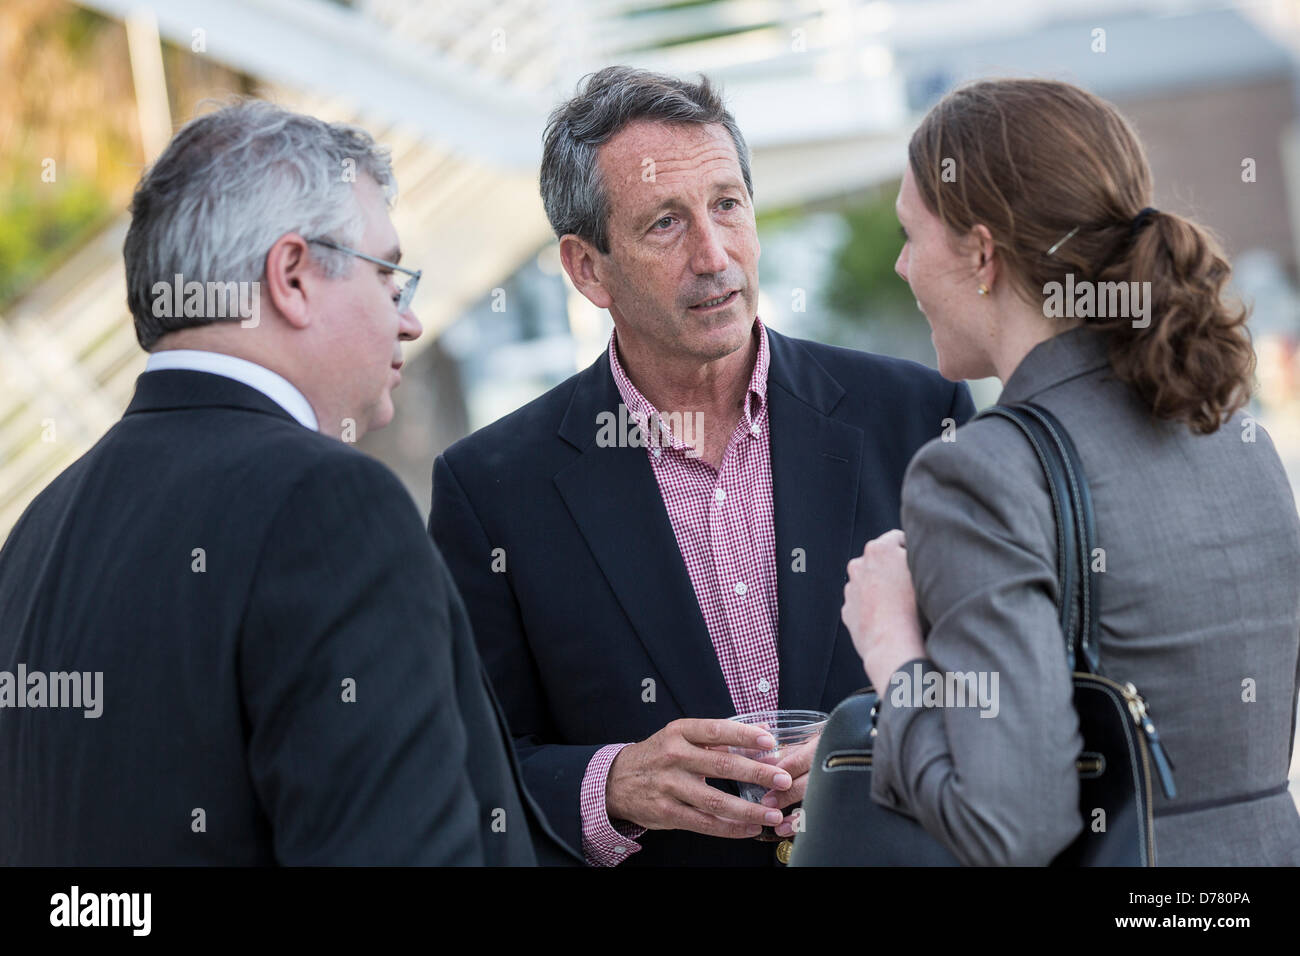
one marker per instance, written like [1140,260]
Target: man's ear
[984,255]
[291,279]
[580,258]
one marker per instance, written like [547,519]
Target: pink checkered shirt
[723,523]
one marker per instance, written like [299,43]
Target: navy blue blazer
[576,588]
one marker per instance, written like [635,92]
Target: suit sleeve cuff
[605,842]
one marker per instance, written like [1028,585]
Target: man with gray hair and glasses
[633,585]
[280,670]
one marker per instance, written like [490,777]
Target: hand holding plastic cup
[790,729]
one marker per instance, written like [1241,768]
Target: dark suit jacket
[223,689]
[595,598]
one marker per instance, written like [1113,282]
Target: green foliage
[863,280]
[42,224]
[64,88]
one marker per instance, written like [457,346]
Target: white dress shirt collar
[275,387]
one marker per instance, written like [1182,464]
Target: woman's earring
[984,290]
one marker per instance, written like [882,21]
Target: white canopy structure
[825,91]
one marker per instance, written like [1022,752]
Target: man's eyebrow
[651,213]
[393,255]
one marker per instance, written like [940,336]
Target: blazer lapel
[615,501]
[816,463]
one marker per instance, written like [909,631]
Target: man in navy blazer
[599,561]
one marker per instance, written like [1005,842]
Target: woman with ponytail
[1034,252]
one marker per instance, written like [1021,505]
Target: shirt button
[720,494]
[740,587]
[620,849]
[656,451]
[764,686]
[754,429]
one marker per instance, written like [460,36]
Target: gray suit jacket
[1200,609]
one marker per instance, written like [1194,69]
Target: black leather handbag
[843,826]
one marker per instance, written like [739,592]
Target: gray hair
[572,189]
[228,186]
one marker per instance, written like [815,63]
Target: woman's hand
[880,609]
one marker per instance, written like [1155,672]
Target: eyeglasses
[405,294]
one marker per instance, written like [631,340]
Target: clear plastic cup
[791,729]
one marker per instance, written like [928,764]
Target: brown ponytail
[1036,161]
[1194,363]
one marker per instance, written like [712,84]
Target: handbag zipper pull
[1164,766]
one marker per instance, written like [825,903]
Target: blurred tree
[68,128]
[40,224]
[869,306]
[863,269]
[70,152]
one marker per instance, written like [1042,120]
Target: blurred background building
[826,91]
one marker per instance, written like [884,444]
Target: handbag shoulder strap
[1075,528]
[1075,534]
